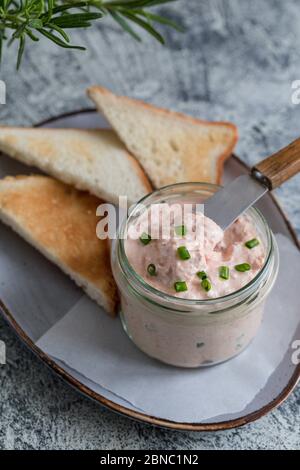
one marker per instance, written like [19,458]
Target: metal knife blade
[226,205]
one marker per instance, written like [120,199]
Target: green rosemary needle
[21,20]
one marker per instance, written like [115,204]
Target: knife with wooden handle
[226,205]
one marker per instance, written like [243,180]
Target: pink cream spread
[196,259]
[190,257]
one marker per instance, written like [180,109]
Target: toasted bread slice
[91,160]
[171,147]
[61,223]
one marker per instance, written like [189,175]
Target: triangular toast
[170,146]
[61,223]
[91,160]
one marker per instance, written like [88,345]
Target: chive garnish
[242,267]
[180,286]
[151,269]
[224,272]
[252,243]
[202,274]
[181,230]
[206,284]
[183,253]
[145,238]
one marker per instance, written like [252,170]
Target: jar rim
[147,289]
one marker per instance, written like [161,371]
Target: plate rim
[136,415]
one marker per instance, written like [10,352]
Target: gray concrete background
[236,61]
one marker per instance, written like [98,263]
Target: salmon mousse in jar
[191,294]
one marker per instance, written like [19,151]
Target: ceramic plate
[30,323]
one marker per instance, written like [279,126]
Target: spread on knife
[195,259]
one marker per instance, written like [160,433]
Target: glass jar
[185,332]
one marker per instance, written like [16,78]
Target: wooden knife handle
[275,170]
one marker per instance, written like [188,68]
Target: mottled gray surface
[237,61]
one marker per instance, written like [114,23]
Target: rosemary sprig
[23,20]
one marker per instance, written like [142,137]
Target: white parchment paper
[96,347]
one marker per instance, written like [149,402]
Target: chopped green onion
[145,238]
[151,269]
[224,272]
[202,274]
[206,284]
[252,243]
[180,286]
[181,230]
[242,267]
[183,253]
